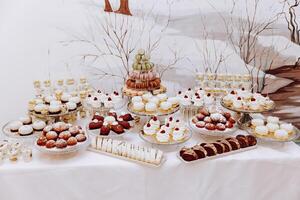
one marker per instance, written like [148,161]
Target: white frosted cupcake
[198,101]
[281,134]
[261,130]
[149,130]
[178,133]
[272,127]
[138,106]
[150,107]
[162,136]
[155,122]
[185,101]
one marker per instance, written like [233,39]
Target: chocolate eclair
[189,155]
[200,151]
[210,149]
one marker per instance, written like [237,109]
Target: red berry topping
[189,89]
[239,98]
[148,125]
[162,131]
[253,99]
[167,125]
[109,99]
[179,92]
[176,129]
[232,92]
[154,118]
[99,91]
[243,89]
[170,118]
[208,94]
[95,98]
[177,120]
[185,96]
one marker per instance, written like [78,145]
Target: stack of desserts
[172,130]
[128,151]
[213,121]
[242,99]
[271,127]
[143,77]
[195,97]
[205,150]
[152,105]
[14,151]
[61,136]
[25,126]
[104,125]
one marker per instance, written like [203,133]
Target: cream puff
[162,136]
[138,106]
[281,134]
[150,107]
[149,129]
[261,130]
[25,130]
[165,106]
[39,125]
[288,127]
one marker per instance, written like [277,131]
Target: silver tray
[217,156]
[69,149]
[158,113]
[273,139]
[152,140]
[246,111]
[214,133]
[15,135]
[126,158]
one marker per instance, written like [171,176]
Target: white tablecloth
[272,171]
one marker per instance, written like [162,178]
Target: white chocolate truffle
[150,107]
[257,122]
[271,119]
[261,130]
[272,127]
[281,134]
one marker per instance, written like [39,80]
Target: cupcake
[149,130]
[178,133]
[108,103]
[49,98]
[162,136]
[39,108]
[155,122]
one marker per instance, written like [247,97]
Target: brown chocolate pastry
[227,146]
[229,124]
[200,117]
[189,155]
[231,120]
[118,129]
[220,127]
[182,150]
[80,137]
[104,130]
[113,114]
[50,144]
[210,149]
[98,117]
[204,111]
[210,126]
[203,144]
[74,130]
[227,115]
[220,147]
[72,141]
[195,120]
[251,140]
[61,143]
[234,143]
[124,124]
[200,124]
[95,125]
[200,151]
[65,135]
[42,141]
[243,142]
[207,119]
[127,117]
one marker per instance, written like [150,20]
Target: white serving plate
[126,158]
[69,149]
[218,155]
[8,133]
[214,133]
[152,140]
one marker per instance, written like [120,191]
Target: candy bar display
[143,77]
[215,123]
[171,131]
[204,151]
[61,138]
[14,151]
[24,127]
[149,104]
[272,129]
[110,125]
[127,151]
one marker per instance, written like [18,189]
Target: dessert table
[268,172]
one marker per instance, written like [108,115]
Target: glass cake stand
[245,117]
